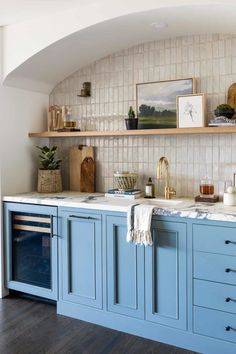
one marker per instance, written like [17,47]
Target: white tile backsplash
[208,58]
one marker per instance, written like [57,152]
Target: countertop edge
[187,209]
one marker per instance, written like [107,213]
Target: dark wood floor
[31,327]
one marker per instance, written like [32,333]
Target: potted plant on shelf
[224,110]
[49,173]
[132,121]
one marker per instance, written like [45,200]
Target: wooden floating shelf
[137,132]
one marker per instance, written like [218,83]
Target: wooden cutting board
[77,154]
[87,179]
[232,96]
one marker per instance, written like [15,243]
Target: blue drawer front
[215,295]
[215,267]
[214,323]
[215,239]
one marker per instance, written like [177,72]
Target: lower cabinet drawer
[222,238]
[213,323]
[215,295]
[215,267]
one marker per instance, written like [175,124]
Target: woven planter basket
[49,181]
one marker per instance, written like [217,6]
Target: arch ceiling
[42,70]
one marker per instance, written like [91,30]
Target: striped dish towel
[139,218]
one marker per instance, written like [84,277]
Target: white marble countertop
[181,207]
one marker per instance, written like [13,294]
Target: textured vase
[49,181]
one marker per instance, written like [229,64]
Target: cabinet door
[81,258]
[30,235]
[165,274]
[125,270]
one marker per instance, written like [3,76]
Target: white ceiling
[49,66]
[13,11]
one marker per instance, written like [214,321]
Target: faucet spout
[159,168]
[168,190]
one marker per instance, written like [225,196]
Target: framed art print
[191,110]
[156,102]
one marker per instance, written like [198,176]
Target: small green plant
[224,110]
[47,158]
[224,106]
[131,113]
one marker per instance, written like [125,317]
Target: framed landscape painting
[156,102]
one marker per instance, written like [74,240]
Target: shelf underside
[137,132]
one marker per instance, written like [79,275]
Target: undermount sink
[164,202]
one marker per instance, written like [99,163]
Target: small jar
[149,189]
[206,187]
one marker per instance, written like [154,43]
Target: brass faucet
[168,190]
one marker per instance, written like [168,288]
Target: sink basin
[164,202]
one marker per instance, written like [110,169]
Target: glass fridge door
[31,249]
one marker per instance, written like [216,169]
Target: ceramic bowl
[125,181]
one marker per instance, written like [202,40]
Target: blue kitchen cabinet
[166,274]
[31,241]
[141,290]
[214,280]
[81,257]
[125,270]
[164,271]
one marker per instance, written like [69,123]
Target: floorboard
[29,326]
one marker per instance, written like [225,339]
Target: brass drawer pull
[228,299]
[228,242]
[229,328]
[227,270]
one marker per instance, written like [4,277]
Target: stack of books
[132,194]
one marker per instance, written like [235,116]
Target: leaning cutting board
[87,178]
[232,96]
[77,154]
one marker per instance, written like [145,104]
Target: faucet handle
[169,191]
[172,191]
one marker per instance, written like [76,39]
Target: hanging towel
[130,222]
[139,219]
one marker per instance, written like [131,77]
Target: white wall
[20,112]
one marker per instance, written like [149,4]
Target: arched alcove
[43,70]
